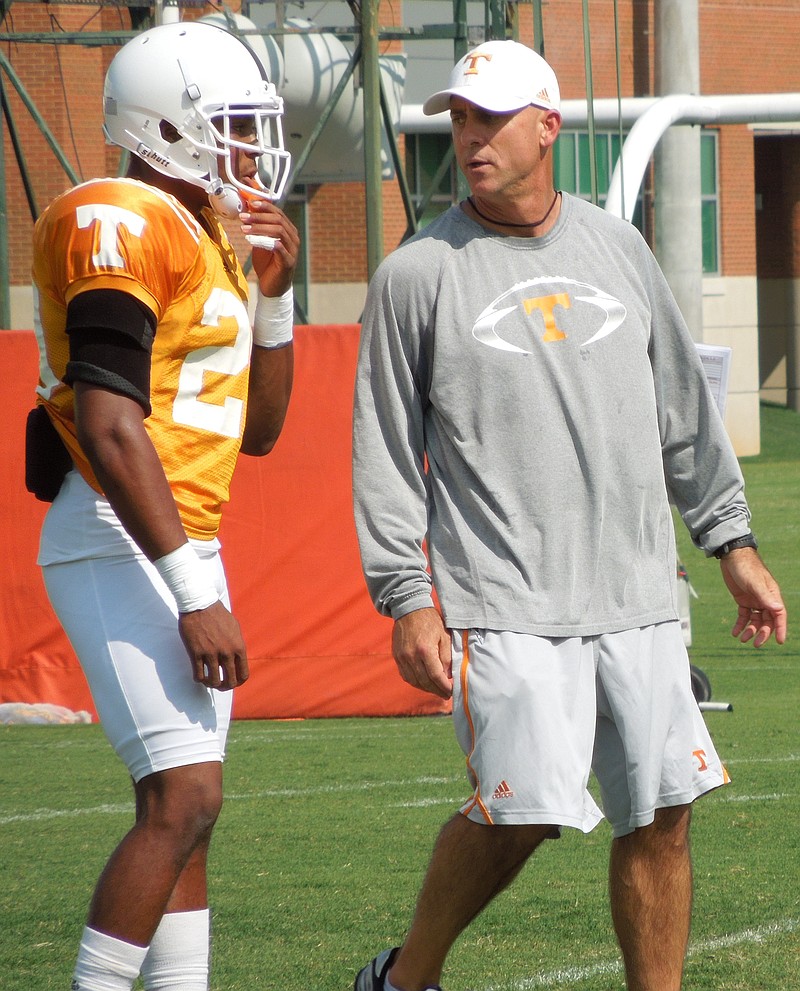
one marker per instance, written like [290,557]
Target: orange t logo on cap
[471,68]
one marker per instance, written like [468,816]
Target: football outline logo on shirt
[484,329]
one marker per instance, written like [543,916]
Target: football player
[151,382]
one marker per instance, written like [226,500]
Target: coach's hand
[755,591]
[215,647]
[421,648]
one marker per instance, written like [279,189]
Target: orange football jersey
[123,234]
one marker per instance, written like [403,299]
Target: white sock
[178,956]
[106,963]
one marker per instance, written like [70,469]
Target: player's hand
[756,593]
[421,648]
[215,646]
[274,268]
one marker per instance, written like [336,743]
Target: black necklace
[507,223]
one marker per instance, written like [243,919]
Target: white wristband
[184,575]
[273,320]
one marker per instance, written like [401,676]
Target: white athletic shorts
[535,715]
[122,623]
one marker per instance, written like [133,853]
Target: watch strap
[748,540]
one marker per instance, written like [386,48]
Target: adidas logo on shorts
[503,791]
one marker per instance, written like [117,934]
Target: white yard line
[573,975]
[42,815]
[775,797]
[39,815]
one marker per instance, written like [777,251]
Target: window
[709,201]
[572,165]
[573,174]
[296,209]
[424,155]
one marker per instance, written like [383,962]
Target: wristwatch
[748,540]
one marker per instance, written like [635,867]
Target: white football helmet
[182,97]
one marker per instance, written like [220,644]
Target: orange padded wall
[316,645]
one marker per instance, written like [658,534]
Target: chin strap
[225,200]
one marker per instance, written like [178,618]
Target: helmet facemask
[216,138]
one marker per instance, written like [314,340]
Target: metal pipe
[372,134]
[460,48]
[573,113]
[19,153]
[5,268]
[6,67]
[676,179]
[731,108]
[538,27]
[587,61]
[686,109]
[400,173]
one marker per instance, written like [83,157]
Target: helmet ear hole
[168,132]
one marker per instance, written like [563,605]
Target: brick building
[750,172]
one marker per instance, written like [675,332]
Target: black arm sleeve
[110,340]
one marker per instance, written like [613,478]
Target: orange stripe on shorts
[476,800]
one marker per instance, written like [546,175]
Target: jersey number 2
[188,408]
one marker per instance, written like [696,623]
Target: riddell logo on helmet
[143,151]
[471,67]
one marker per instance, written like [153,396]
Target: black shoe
[373,976]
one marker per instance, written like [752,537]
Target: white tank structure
[306,68]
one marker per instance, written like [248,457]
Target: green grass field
[328,826]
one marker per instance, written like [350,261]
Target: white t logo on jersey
[110,218]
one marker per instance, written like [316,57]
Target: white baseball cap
[501,77]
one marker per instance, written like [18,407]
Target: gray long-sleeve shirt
[525,409]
